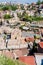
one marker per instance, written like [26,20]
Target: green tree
[13,7]
[38,2]
[8,7]
[27,18]
[42,2]
[5,8]
[19,15]
[7,16]
[22,6]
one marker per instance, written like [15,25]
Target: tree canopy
[7,16]
[8,7]
[39,2]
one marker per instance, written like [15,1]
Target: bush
[31,18]
[7,16]
[6,61]
[8,7]
[5,8]
[13,7]
[39,2]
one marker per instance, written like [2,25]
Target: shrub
[5,8]
[7,16]
[6,61]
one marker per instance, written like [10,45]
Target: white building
[39,59]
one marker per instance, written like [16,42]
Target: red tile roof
[41,44]
[29,39]
[28,60]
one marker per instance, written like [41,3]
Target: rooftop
[41,44]
[28,60]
